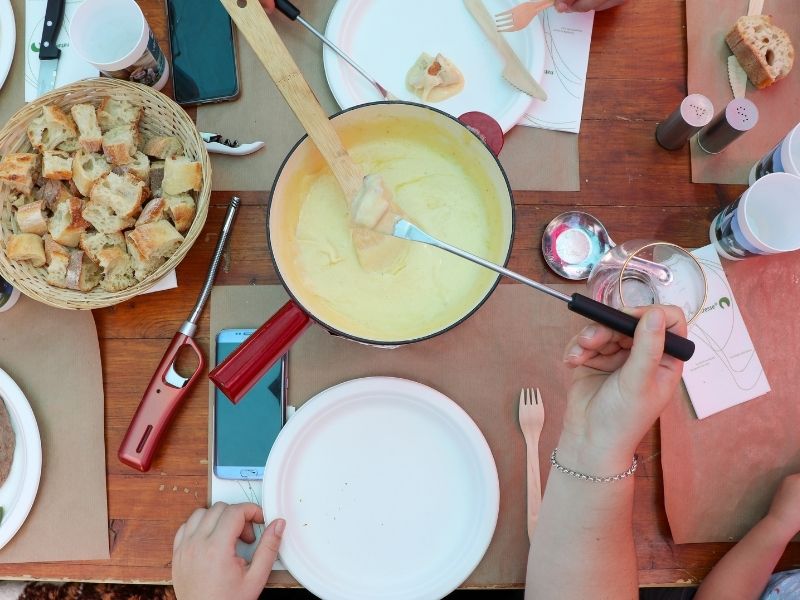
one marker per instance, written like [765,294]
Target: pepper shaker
[693,113]
[739,117]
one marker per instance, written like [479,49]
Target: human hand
[204,560]
[785,507]
[585,5]
[269,5]
[620,386]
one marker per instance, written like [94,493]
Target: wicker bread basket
[162,116]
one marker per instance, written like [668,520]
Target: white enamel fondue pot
[253,358]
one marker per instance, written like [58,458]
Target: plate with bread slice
[8,39]
[20,458]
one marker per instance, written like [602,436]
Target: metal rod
[345,57]
[405,230]
[224,234]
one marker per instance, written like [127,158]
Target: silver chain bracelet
[594,479]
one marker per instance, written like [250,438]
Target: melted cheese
[434,79]
[425,289]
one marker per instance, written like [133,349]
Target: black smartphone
[204,67]
[244,432]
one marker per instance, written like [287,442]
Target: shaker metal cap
[697,110]
[741,114]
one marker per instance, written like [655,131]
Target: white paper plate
[385,38]
[8,37]
[388,488]
[19,490]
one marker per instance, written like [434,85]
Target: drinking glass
[645,272]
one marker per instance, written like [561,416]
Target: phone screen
[244,432]
[203,53]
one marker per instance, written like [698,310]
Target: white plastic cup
[765,219]
[783,158]
[114,36]
[8,295]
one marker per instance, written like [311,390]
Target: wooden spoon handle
[259,32]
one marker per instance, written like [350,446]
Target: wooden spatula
[375,251]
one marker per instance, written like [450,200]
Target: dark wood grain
[636,77]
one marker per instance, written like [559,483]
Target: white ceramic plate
[386,37]
[388,488]
[8,38]
[19,490]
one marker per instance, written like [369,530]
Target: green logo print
[724,302]
[35,47]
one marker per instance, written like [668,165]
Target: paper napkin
[725,369]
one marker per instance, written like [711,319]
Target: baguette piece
[138,166]
[31,218]
[141,266]
[26,246]
[153,211]
[156,177]
[163,146]
[90,137]
[57,165]
[51,129]
[67,223]
[118,113]
[119,144]
[117,265]
[181,210]
[122,193]
[764,50]
[94,242]
[82,273]
[17,169]
[181,175]
[51,192]
[87,169]
[154,240]
[57,257]
[103,218]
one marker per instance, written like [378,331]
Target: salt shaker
[739,117]
[693,113]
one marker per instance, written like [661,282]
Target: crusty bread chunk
[153,211]
[118,113]
[164,146]
[57,257]
[117,268]
[51,129]
[181,210]
[156,177]
[181,175]
[57,165]
[26,246]
[123,193]
[103,218]
[157,239]
[139,166]
[119,144]
[31,218]
[764,50]
[142,267]
[67,223]
[93,242]
[18,170]
[87,169]
[82,273]
[90,137]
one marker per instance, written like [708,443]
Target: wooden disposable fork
[531,421]
[520,16]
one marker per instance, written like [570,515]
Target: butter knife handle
[53,15]
[484,19]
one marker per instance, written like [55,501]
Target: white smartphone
[244,432]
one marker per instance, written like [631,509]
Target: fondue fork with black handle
[674,345]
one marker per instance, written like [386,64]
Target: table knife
[514,71]
[49,52]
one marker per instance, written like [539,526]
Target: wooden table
[637,75]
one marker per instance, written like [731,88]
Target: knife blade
[49,52]
[514,71]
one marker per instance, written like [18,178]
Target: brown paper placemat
[707,24]
[720,473]
[261,113]
[54,357]
[12,94]
[515,340]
